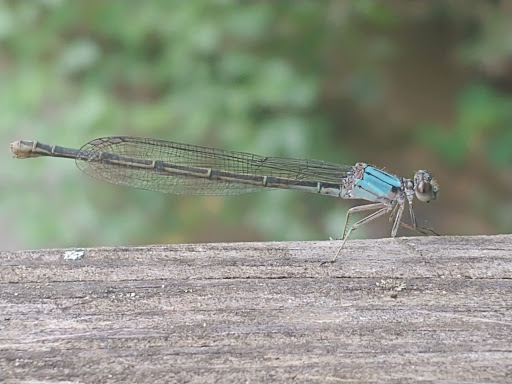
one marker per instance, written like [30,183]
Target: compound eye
[425,187]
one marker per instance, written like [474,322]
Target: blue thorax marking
[377,184]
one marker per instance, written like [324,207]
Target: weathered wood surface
[428,308]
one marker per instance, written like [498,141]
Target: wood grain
[433,309]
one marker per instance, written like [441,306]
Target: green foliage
[341,81]
[483,123]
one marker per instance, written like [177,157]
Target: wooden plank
[422,308]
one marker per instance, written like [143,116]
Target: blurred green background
[402,85]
